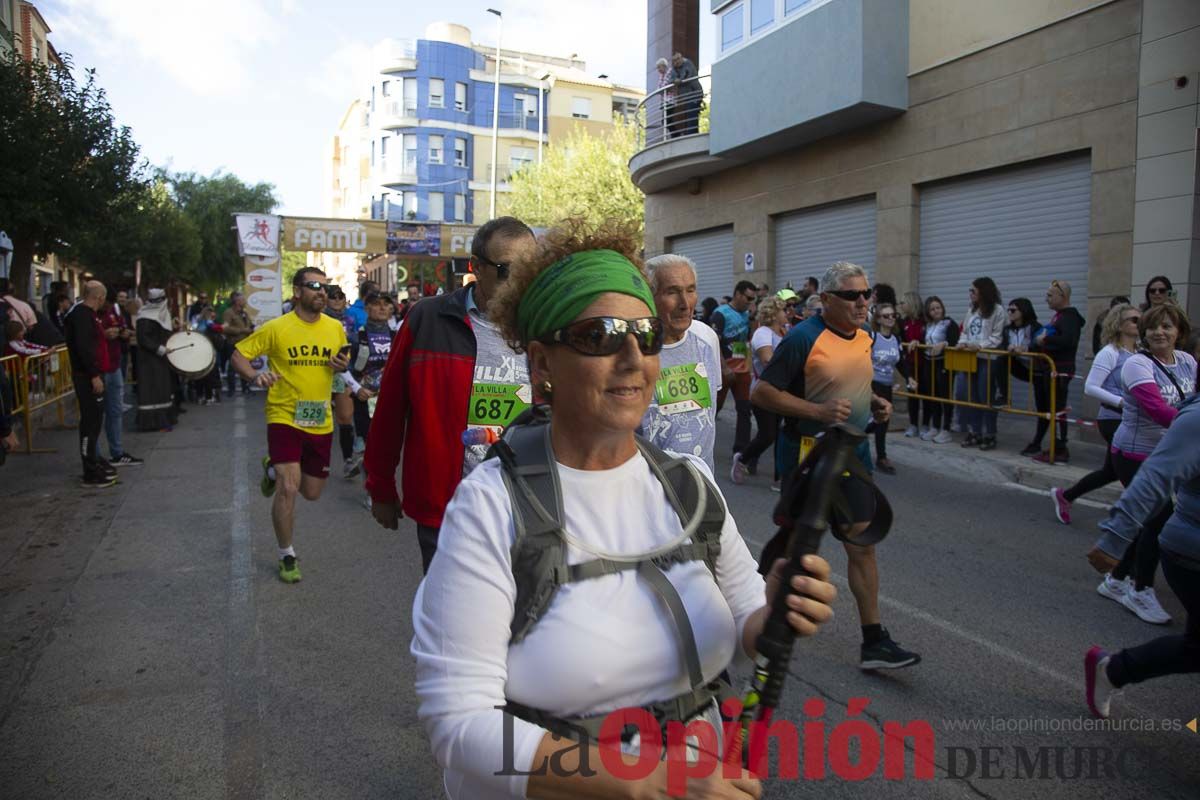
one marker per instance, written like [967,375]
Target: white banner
[258,234]
[263,299]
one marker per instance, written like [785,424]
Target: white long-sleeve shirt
[603,644]
[1104,380]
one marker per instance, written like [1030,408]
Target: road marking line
[979,641]
[1046,493]
[243,702]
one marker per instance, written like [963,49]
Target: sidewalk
[995,467]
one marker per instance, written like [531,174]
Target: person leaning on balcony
[983,329]
[666,97]
[689,94]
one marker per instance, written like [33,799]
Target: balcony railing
[673,112]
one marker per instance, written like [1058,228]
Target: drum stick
[182,347]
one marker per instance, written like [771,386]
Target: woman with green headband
[584,315]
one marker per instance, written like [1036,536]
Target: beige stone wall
[1068,88]
[1166,238]
[940,30]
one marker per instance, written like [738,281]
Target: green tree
[63,159]
[583,176]
[290,262]
[209,203]
[143,223]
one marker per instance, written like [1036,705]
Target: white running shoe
[928,433]
[1113,589]
[738,472]
[1145,605]
[943,437]
[911,431]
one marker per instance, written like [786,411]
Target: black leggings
[1041,398]
[91,421]
[883,390]
[1103,476]
[934,380]
[768,431]
[1166,655]
[1141,557]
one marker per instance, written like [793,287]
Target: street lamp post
[495,113]
[541,113]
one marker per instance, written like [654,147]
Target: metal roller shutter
[807,242]
[1021,227]
[712,252]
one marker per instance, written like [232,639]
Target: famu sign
[334,235]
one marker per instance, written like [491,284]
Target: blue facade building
[429,115]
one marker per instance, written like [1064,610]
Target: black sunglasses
[316,286]
[603,336]
[1157,290]
[852,294]
[501,269]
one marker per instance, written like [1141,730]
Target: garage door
[807,242]
[1021,226]
[712,252]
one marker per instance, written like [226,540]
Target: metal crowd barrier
[965,362]
[41,381]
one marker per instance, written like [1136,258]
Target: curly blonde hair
[572,235]
[767,310]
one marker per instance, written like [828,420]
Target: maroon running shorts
[288,445]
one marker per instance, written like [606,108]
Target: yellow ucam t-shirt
[298,352]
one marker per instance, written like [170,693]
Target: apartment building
[417,145]
[935,141]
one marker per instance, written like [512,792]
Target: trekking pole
[813,496]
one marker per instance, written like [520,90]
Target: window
[460,96]
[731,27]
[410,154]
[410,97]
[519,157]
[437,205]
[460,208]
[435,149]
[762,14]
[387,88]
[410,204]
[460,152]
[371,105]
[437,93]
[581,108]
[372,152]
[790,6]
[383,146]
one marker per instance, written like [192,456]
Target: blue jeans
[977,420]
[114,399]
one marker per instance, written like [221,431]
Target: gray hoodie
[1173,468]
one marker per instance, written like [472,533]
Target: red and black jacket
[422,409]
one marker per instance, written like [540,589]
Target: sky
[256,87]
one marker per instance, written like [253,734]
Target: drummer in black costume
[155,410]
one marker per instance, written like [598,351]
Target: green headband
[567,287]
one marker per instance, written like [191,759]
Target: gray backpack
[539,556]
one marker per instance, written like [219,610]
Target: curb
[994,467]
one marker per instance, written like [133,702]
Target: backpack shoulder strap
[689,492]
[538,552]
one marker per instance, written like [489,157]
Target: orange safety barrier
[16,380]
[961,361]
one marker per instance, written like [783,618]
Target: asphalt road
[148,650]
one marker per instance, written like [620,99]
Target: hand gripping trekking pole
[803,518]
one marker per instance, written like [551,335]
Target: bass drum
[191,354]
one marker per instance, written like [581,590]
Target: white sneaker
[927,434]
[1113,589]
[1100,690]
[943,437]
[911,431]
[737,472]
[1145,605]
